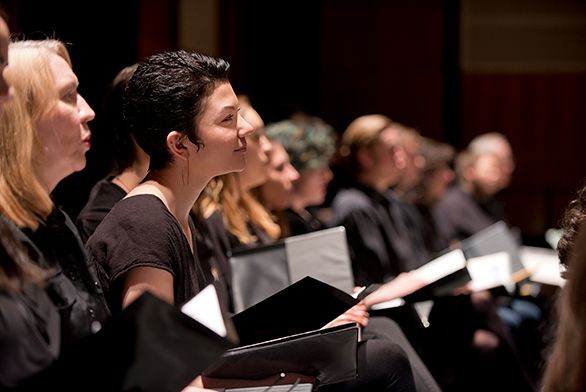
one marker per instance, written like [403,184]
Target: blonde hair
[23,199]
[566,364]
[237,207]
[363,132]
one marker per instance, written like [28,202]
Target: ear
[364,158]
[176,145]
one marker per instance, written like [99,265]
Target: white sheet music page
[543,264]
[205,309]
[490,271]
[442,266]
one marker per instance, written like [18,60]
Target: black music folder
[259,272]
[306,305]
[327,354]
[498,237]
[151,346]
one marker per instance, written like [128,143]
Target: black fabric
[434,241]
[149,347]
[329,354]
[73,285]
[103,196]
[279,315]
[380,246]
[458,215]
[141,232]
[299,224]
[29,334]
[215,243]
[375,372]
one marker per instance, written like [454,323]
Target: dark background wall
[452,69]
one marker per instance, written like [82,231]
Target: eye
[228,118]
[70,97]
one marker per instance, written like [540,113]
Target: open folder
[151,346]
[497,238]
[328,354]
[259,272]
[283,334]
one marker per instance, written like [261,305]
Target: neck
[48,180]
[131,176]
[178,192]
[378,183]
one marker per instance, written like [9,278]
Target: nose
[293,174]
[86,113]
[244,127]
[327,174]
[265,143]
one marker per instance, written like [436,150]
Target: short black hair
[167,93]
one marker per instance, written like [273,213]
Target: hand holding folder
[283,334]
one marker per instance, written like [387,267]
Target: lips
[86,142]
[243,148]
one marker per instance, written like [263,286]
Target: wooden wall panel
[543,115]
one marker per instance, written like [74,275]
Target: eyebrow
[69,86]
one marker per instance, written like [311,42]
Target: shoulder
[351,199]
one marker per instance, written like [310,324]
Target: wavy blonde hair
[23,199]
[237,207]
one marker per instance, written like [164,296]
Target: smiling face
[63,130]
[223,131]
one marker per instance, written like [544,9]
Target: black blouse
[104,195]
[73,285]
[141,232]
[29,334]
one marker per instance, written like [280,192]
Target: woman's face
[63,131]
[257,161]
[311,187]
[281,174]
[223,131]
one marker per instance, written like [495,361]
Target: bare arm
[140,279]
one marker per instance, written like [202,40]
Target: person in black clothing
[310,144]
[436,177]
[45,136]
[379,242]
[382,247]
[469,206]
[184,114]
[130,161]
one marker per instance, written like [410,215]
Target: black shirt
[141,232]
[377,235]
[29,334]
[104,195]
[458,215]
[302,224]
[73,285]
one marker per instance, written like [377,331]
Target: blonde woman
[45,135]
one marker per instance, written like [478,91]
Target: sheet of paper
[543,264]
[490,271]
[205,309]
[441,266]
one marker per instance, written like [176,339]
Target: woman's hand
[197,386]
[356,314]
